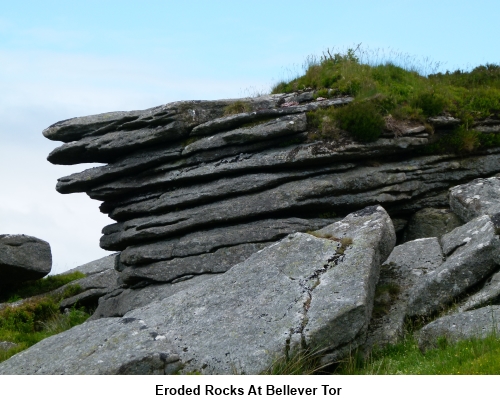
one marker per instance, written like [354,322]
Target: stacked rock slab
[198,186]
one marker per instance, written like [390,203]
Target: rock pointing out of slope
[303,291]
[23,258]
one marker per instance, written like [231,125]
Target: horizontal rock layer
[197,186]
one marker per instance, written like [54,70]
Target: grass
[398,89]
[34,321]
[301,362]
[468,357]
[237,107]
[38,316]
[42,286]
[473,356]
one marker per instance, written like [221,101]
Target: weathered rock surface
[23,258]
[269,304]
[472,253]
[479,197]
[489,294]
[101,278]
[95,266]
[403,269]
[202,192]
[165,271]
[478,323]
[431,222]
[120,301]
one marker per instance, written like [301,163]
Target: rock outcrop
[23,258]
[233,249]
[198,186]
[300,292]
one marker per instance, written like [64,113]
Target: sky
[61,59]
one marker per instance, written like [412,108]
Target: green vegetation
[385,91]
[385,294]
[237,107]
[42,286]
[34,320]
[301,362]
[38,316]
[473,356]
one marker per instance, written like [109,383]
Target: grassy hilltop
[388,95]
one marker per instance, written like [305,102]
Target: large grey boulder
[478,323]
[431,222]
[302,291]
[23,258]
[402,270]
[472,253]
[479,197]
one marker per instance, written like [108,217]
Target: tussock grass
[401,87]
[302,362]
[473,356]
[38,316]
[468,357]
[34,320]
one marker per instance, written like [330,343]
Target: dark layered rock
[23,258]
[100,279]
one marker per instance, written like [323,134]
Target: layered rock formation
[240,187]
[196,186]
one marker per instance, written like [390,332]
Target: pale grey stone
[117,303]
[479,197]
[478,323]
[262,307]
[95,266]
[488,129]
[401,271]
[344,295]
[4,345]
[472,253]
[444,121]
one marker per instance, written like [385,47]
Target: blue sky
[61,59]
